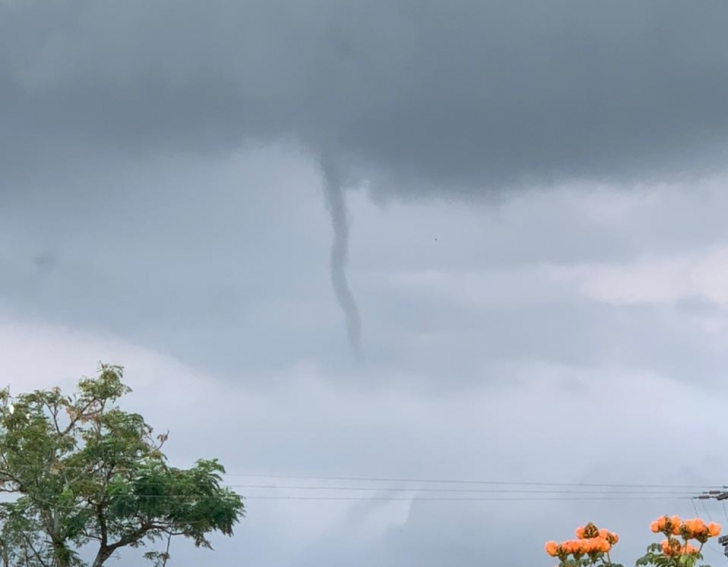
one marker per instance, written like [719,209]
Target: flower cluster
[673,548]
[679,533]
[695,529]
[591,541]
[682,547]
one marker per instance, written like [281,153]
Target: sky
[406,240]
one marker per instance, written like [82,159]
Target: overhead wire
[445,490]
[453,490]
[472,481]
[454,481]
[462,499]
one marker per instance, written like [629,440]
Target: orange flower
[661,524]
[573,546]
[670,547]
[612,538]
[676,524]
[580,532]
[695,528]
[552,548]
[601,545]
[713,529]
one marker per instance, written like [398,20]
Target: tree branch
[37,555]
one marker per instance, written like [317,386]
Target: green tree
[84,475]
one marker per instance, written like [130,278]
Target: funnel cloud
[336,204]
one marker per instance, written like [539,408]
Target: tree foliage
[84,475]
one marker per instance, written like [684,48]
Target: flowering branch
[592,545]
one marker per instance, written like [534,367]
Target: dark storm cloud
[458,93]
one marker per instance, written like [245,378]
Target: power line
[458,499]
[695,487]
[713,488]
[439,495]
[707,512]
[452,490]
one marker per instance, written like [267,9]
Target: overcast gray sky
[537,247]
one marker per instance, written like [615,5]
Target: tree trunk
[62,559]
[103,554]
[61,556]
